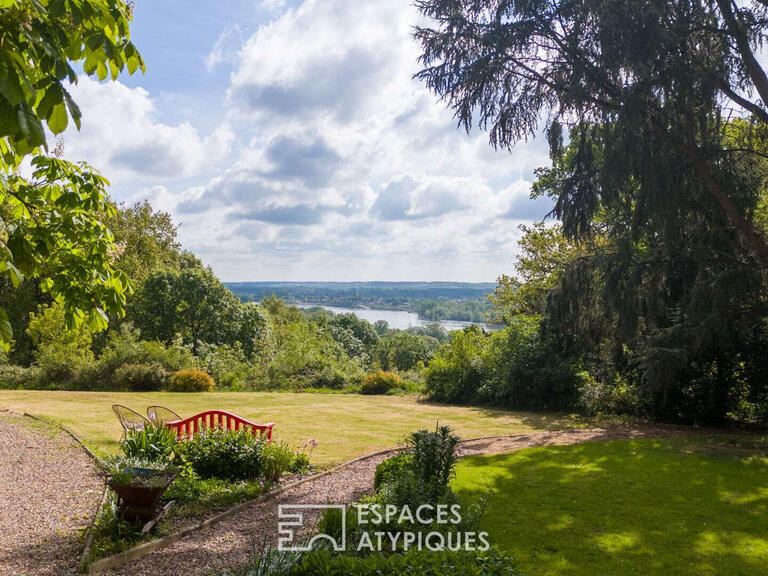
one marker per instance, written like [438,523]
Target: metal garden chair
[129,419]
[159,415]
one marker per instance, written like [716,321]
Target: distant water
[397,319]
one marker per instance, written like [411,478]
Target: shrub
[300,463]
[17,377]
[186,487]
[380,382]
[191,380]
[456,372]
[329,377]
[225,454]
[140,377]
[414,562]
[388,471]
[226,364]
[276,460]
[153,443]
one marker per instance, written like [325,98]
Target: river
[397,319]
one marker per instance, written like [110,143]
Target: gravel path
[49,491]
[232,541]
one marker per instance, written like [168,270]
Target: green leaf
[52,96]
[31,126]
[16,275]
[58,119]
[10,86]
[6,331]
[74,109]
[9,120]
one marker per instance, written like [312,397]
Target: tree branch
[753,68]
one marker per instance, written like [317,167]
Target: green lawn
[344,425]
[641,507]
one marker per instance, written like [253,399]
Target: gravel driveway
[49,491]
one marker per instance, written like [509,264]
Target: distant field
[345,426]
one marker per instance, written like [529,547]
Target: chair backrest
[160,415]
[217,419]
[129,419]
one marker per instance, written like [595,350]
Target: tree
[193,303]
[653,80]
[146,241]
[655,116]
[51,226]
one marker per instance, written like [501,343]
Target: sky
[289,142]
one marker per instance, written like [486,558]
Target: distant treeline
[431,300]
[465,310]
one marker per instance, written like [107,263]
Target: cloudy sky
[289,142]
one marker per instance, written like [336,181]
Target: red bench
[217,419]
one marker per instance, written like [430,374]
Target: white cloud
[334,163]
[122,136]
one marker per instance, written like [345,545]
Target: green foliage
[191,380]
[226,364]
[421,474]
[111,533]
[276,460]
[18,377]
[61,352]
[390,469]
[140,377]
[187,487]
[305,355]
[226,454]
[51,228]
[404,351]
[43,39]
[194,304]
[457,371]
[146,241]
[135,470]
[411,563]
[516,367]
[656,278]
[462,310]
[151,443]
[380,382]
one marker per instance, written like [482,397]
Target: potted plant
[139,485]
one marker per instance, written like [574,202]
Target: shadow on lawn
[625,507]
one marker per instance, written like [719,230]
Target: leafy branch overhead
[52,35]
[52,225]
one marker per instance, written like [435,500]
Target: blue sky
[289,142]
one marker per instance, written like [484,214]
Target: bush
[456,372]
[153,443]
[17,377]
[226,364]
[191,380]
[422,473]
[276,460]
[388,471]
[140,377]
[225,454]
[380,382]
[414,562]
